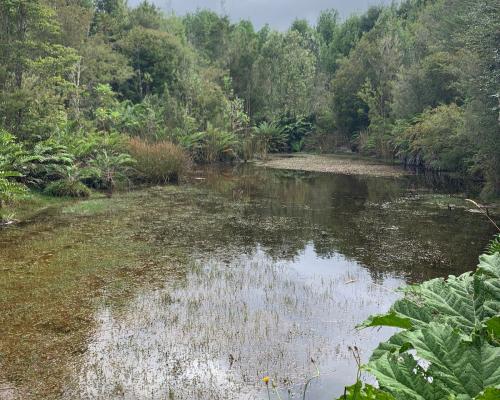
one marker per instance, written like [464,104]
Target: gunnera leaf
[442,364]
[464,302]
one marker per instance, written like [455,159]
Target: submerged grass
[74,258]
[53,269]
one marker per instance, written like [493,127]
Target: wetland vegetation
[216,283]
[191,208]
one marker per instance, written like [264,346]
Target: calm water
[243,273]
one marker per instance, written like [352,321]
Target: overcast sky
[278,13]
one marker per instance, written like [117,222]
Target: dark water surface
[198,291]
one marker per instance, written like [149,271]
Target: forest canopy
[86,87]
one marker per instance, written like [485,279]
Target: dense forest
[95,93]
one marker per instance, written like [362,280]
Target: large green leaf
[487,287]
[493,328]
[449,364]
[464,302]
[366,392]
[491,393]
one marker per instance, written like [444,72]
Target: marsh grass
[159,162]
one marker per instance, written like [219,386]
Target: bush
[435,140]
[270,138]
[296,130]
[67,188]
[159,162]
[211,145]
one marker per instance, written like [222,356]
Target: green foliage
[437,140]
[284,75]
[208,32]
[211,145]
[296,129]
[367,392]
[67,188]
[457,366]
[494,245]
[271,138]
[9,189]
[110,168]
[10,151]
[450,345]
[33,69]
[44,162]
[157,58]
[417,80]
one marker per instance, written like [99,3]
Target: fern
[494,245]
[9,189]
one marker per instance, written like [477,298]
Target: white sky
[278,13]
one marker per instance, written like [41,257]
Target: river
[198,291]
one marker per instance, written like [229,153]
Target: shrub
[159,162]
[270,138]
[67,188]
[211,146]
[9,188]
[435,140]
[296,130]
[84,146]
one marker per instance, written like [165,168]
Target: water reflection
[242,273]
[219,332]
[387,224]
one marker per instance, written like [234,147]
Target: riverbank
[336,164]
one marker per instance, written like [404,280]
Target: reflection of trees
[369,219]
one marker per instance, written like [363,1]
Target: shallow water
[198,291]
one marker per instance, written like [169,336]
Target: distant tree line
[416,81]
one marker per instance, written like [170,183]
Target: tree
[428,83]
[209,33]
[243,52]
[284,75]
[110,17]
[34,68]
[158,60]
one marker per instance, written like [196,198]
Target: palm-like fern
[109,168]
[494,245]
[9,152]
[271,136]
[8,188]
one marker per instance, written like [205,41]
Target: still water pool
[198,291]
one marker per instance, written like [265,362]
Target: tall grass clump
[159,162]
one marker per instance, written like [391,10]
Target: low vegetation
[159,162]
[415,81]
[448,345]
